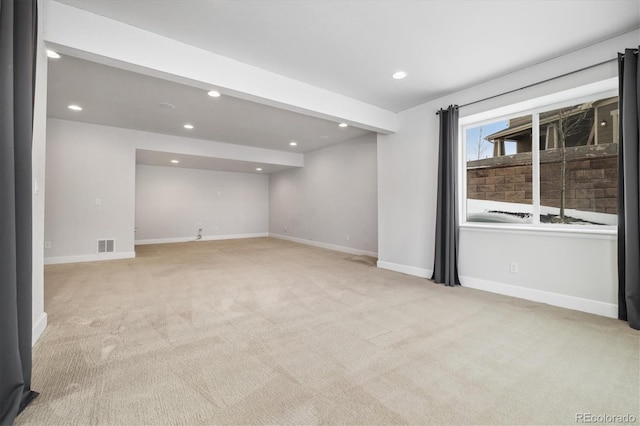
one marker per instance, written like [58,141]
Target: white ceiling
[348,47]
[352,47]
[157,158]
[115,97]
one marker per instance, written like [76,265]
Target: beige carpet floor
[265,331]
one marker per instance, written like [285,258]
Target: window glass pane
[578,164]
[499,186]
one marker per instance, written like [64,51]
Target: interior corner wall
[577,271]
[173,203]
[87,163]
[331,201]
[39,316]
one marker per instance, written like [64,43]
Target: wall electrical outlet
[348,237]
[513,267]
[47,244]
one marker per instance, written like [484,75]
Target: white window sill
[608,232]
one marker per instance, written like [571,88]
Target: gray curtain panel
[17,66]
[628,193]
[445,268]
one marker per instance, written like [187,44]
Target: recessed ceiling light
[175,161]
[343,125]
[75,107]
[214,93]
[399,75]
[52,54]
[188,126]
[258,169]
[293,143]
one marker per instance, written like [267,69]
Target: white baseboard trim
[555,299]
[89,258]
[334,247]
[38,328]
[409,270]
[204,238]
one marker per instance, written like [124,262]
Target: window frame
[532,107]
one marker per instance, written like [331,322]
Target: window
[499,171]
[614,123]
[549,166]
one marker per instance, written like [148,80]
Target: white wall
[576,271]
[39,316]
[172,203]
[110,42]
[85,163]
[332,201]
[407,168]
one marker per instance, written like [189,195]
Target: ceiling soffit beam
[103,40]
[140,139]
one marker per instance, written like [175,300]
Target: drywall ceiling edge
[89,36]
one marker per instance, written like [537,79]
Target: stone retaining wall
[591,178]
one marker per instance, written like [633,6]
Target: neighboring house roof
[508,132]
[519,130]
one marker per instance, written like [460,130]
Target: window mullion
[535,167]
[462,175]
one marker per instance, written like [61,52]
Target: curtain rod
[537,83]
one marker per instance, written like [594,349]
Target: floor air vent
[106,246]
